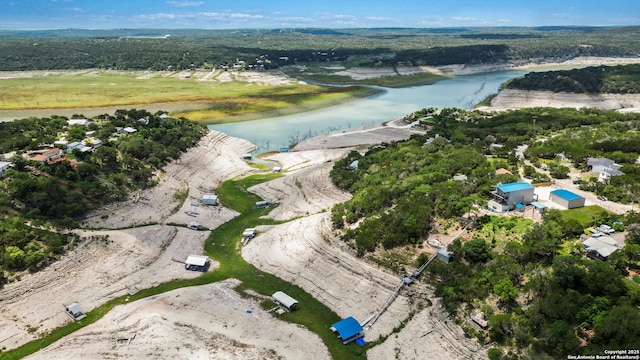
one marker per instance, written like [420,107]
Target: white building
[606,168]
[197,263]
[78,122]
[285,301]
[209,199]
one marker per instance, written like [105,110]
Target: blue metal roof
[347,328]
[539,205]
[566,194]
[516,186]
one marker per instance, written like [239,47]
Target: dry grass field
[199,95]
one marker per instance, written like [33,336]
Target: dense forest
[591,80]
[185,49]
[38,196]
[541,295]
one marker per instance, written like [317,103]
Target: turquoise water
[462,92]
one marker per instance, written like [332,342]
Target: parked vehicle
[602,198]
[605,229]
[595,232]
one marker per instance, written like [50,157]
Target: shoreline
[356,74]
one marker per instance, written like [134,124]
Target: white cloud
[76,9]
[198,15]
[464,18]
[336,17]
[185,3]
[379,18]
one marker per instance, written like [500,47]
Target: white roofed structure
[75,311]
[197,263]
[209,199]
[249,233]
[285,301]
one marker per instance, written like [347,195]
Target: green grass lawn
[585,215]
[222,246]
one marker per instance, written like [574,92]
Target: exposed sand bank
[212,321]
[517,99]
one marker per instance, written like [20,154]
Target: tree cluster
[59,192]
[591,80]
[546,300]
[399,188]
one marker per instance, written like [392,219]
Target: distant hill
[179,49]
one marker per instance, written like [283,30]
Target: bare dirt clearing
[203,322]
[107,264]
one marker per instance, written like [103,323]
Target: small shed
[74,311]
[263,204]
[354,165]
[480,319]
[209,199]
[444,255]
[249,233]
[285,301]
[348,330]
[566,199]
[197,263]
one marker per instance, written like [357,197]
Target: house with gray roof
[600,247]
[606,168]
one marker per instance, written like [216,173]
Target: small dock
[406,280]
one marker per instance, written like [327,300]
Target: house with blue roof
[566,198]
[508,196]
[349,330]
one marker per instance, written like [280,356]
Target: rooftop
[539,205]
[197,260]
[566,194]
[347,328]
[600,162]
[516,186]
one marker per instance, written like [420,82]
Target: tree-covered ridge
[542,301]
[542,297]
[591,80]
[189,48]
[38,195]
[399,189]
[116,163]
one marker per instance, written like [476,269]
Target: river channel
[464,92]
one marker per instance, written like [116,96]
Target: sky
[273,14]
